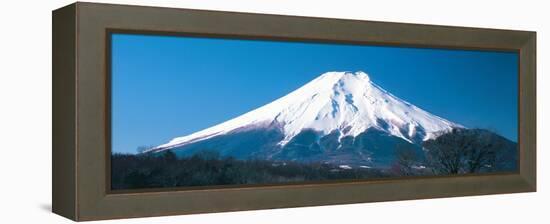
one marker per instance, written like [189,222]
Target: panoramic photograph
[197,111]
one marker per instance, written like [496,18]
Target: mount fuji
[337,118]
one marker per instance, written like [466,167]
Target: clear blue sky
[165,87]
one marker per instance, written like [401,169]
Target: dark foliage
[470,151]
[408,161]
[457,152]
[209,168]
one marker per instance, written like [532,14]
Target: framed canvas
[161,111]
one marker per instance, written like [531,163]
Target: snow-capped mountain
[340,105]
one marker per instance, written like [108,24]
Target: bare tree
[406,159]
[462,151]
[483,154]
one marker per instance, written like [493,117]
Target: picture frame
[81,110]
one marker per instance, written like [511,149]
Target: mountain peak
[361,74]
[341,76]
[346,102]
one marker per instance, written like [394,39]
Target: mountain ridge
[347,102]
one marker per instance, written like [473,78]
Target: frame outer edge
[528,110]
[64,200]
[92,202]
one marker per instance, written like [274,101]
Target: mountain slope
[338,118]
[343,102]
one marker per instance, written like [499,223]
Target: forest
[460,151]
[208,168]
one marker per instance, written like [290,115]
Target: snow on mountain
[343,101]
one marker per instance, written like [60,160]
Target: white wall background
[25,111]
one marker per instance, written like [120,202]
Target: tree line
[208,168]
[460,151]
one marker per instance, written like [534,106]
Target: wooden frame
[81,110]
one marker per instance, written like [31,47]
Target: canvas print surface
[193,111]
